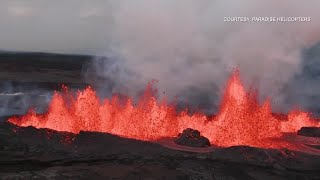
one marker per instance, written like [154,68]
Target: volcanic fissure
[240,120]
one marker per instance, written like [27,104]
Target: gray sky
[73,26]
[87,27]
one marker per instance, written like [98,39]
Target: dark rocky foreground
[29,153]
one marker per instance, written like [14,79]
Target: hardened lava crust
[30,153]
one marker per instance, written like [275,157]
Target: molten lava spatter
[240,121]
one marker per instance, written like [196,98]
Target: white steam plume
[186,43]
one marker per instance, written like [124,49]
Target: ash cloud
[187,46]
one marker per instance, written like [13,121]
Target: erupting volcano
[240,120]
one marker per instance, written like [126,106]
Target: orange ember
[240,121]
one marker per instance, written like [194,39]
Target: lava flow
[240,121]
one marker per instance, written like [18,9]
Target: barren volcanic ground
[30,153]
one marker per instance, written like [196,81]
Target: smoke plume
[18,99]
[190,50]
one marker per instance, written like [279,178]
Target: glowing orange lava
[240,121]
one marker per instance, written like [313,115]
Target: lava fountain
[240,120]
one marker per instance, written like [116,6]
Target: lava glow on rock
[240,121]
